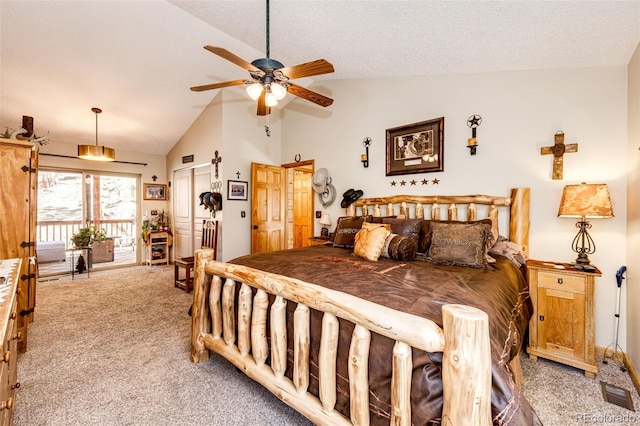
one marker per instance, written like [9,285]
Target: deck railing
[122,230]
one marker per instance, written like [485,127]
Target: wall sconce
[365,157]
[473,122]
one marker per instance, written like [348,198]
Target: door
[561,325]
[267,208]
[201,183]
[182,217]
[302,207]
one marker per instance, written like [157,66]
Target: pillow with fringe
[459,244]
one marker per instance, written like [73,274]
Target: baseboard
[622,357]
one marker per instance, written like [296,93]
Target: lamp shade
[325,219]
[591,201]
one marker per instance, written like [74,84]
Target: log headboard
[516,206]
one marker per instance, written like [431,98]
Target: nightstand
[314,241]
[562,327]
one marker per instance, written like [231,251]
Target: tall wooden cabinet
[18,189]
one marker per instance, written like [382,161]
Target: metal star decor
[425,182]
[403,183]
[413,182]
[436,181]
[393,183]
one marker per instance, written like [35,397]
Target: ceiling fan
[270,79]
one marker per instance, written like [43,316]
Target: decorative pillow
[424,240]
[380,219]
[370,240]
[510,250]
[458,243]
[398,247]
[346,231]
[405,227]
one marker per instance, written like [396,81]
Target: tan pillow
[459,243]
[370,240]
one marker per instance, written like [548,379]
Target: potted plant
[87,236]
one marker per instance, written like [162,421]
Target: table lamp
[325,221]
[585,201]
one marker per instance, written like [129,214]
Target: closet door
[201,183]
[182,213]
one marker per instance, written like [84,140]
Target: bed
[347,340]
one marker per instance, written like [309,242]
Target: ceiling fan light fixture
[96,152]
[270,99]
[278,91]
[254,90]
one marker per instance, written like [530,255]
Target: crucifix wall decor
[215,161]
[558,150]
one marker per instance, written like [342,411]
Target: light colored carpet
[114,350]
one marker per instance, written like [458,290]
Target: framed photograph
[155,191]
[237,190]
[416,148]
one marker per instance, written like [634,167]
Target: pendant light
[96,152]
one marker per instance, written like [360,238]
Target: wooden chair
[209,240]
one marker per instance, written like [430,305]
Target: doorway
[72,199]
[282,201]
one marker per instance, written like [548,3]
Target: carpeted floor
[114,350]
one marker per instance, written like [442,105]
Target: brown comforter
[420,288]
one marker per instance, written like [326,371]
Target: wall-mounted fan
[271,80]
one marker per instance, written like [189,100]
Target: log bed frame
[464,338]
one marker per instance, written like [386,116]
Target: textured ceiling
[136,60]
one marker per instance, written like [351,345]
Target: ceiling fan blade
[317,67]
[217,85]
[263,109]
[225,54]
[310,95]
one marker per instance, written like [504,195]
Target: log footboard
[236,328]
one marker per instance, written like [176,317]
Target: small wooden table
[313,241]
[186,263]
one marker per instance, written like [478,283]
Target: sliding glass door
[70,200]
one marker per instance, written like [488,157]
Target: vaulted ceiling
[137,59]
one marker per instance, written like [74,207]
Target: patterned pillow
[346,230]
[405,227]
[370,240]
[424,240]
[398,247]
[459,243]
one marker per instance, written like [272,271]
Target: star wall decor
[425,182]
[436,181]
[413,182]
[393,183]
[403,183]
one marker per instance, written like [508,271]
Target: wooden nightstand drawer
[564,282]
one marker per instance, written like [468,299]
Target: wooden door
[18,185]
[267,208]
[182,214]
[561,317]
[302,208]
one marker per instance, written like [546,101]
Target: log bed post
[466,366]
[200,317]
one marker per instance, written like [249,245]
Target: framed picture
[416,148]
[155,191]
[237,190]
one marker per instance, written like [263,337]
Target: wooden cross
[215,161]
[558,149]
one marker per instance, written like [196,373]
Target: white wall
[229,124]
[521,111]
[632,284]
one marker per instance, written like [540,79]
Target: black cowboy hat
[350,196]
